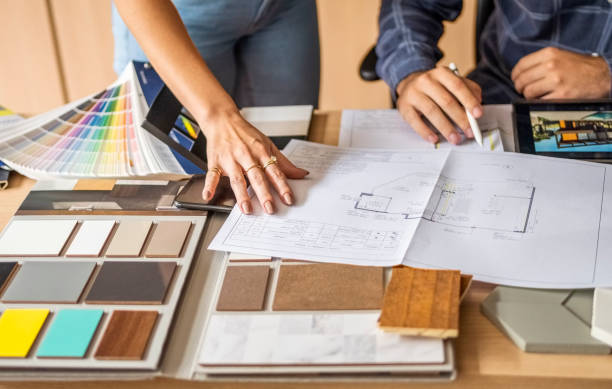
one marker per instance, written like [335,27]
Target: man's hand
[552,73]
[441,97]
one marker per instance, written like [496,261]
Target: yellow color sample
[19,329]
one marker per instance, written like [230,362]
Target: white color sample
[601,324]
[311,339]
[35,237]
[90,238]
[289,120]
[512,219]
[385,129]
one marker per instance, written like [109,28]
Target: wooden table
[485,357]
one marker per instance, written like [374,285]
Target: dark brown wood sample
[244,288]
[131,283]
[422,302]
[6,271]
[127,335]
[328,287]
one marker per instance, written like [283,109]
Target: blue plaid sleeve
[409,34]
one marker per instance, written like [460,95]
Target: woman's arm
[233,145]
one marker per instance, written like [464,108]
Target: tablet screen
[568,129]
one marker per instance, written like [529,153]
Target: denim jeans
[264,52]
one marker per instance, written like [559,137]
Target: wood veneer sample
[127,335]
[131,283]
[129,238]
[422,302]
[244,288]
[52,282]
[328,287]
[6,270]
[168,239]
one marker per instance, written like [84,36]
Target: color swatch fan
[98,136]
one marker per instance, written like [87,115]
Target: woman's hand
[238,150]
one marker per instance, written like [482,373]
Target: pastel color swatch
[18,331]
[90,238]
[70,333]
[36,237]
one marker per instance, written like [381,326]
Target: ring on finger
[271,161]
[217,170]
[252,167]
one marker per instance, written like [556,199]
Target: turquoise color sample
[70,333]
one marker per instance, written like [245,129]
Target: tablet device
[564,128]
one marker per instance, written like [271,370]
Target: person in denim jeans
[218,55]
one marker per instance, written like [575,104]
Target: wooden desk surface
[486,358]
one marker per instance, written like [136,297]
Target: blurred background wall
[54,51]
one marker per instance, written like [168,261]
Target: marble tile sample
[129,238]
[90,239]
[127,335]
[328,287]
[6,270]
[49,282]
[131,283]
[70,333]
[43,238]
[168,239]
[311,339]
[19,329]
[244,288]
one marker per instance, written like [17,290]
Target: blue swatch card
[70,333]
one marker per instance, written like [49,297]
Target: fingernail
[454,138]
[269,207]
[207,195]
[306,172]
[477,112]
[468,132]
[246,207]
[432,138]
[288,198]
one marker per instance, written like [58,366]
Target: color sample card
[6,270]
[129,238]
[53,282]
[244,288]
[19,329]
[49,236]
[90,239]
[127,335]
[131,283]
[168,239]
[70,333]
[328,287]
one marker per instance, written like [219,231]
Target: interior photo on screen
[572,131]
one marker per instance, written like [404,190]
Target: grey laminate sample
[57,282]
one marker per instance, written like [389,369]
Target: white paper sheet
[508,218]
[385,129]
[312,339]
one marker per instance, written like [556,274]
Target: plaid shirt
[410,30]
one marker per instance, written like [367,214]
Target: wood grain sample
[244,288]
[328,287]
[127,335]
[422,302]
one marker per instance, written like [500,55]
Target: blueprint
[507,218]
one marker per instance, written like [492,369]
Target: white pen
[471,119]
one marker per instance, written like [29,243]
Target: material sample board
[129,238]
[19,329]
[90,239]
[127,335]
[244,288]
[36,237]
[70,333]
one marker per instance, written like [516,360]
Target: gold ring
[252,167]
[271,161]
[216,170]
